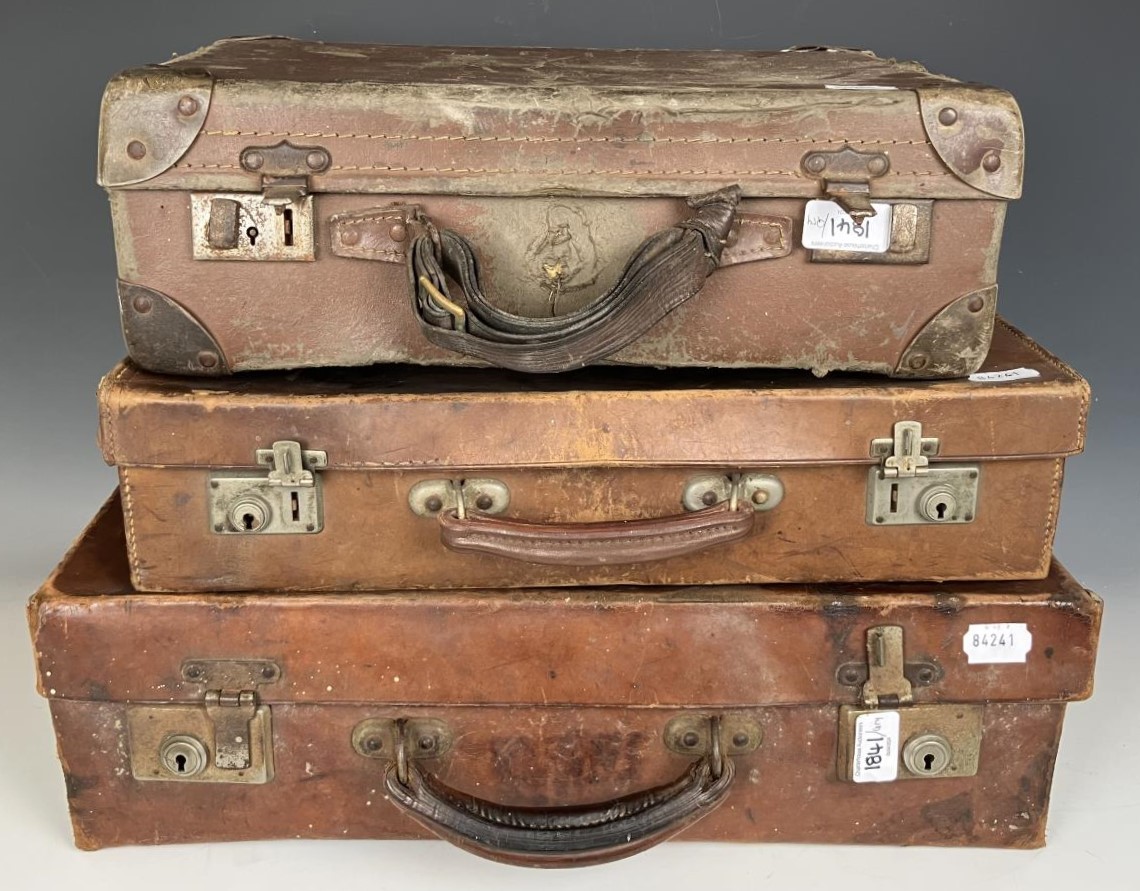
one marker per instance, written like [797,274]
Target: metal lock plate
[284,501]
[925,733]
[270,225]
[228,738]
[158,733]
[905,489]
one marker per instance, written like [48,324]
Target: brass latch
[284,501]
[226,739]
[273,224]
[846,176]
[886,737]
[905,489]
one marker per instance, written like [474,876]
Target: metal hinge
[286,500]
[226,739]
[846,176]
[886,737]
[905,489]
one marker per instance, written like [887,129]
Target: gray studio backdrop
[1067,275]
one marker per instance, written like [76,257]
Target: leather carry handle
[669,268]
[597,544]
[558,837]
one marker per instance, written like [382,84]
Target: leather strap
[596,544]
[668,269]
[562,836]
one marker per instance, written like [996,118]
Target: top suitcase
[545,209]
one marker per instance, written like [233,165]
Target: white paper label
[876,757]
[1010,374]
[828,227]
[997,643]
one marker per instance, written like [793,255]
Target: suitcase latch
[275,224]
[845,176]
[284,501]
[887,737]
[226,739]
[905,489]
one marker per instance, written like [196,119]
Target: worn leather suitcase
[280,204]
[436,478]
[590,723]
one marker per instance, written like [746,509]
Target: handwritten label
[997,643]
[828,227]
[876,757]
[1010,374]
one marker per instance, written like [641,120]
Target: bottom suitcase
[559,728]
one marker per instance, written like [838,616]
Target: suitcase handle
[597,544]
[558,837]
[669,268]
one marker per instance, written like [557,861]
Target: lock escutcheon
[183,755]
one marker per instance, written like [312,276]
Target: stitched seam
[1051,522]
[350,220]
[677,140]
[128,503]
[1086,394]
[507,170]
[360,250]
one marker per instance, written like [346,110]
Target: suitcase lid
[392,417]
[96,639]
[505,121]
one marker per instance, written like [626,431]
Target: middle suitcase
[419,478]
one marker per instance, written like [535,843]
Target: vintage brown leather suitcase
[592,723]
[436,478]
[280,204]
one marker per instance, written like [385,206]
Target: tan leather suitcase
[465,478]
[280,203]
[558,728]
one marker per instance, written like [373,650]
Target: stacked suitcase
[579,557]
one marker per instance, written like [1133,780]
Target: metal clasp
[905,489]
[286,500]
[846,176]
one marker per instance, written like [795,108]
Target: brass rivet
[484,502]
[373,744]
[690,739]
[991,161]
[350,236]
[316,160]
[918,361]
[253,160]
[269,672]
[760,496]
[740,740]
[850,676]
[709,498]
[207,359]
[815,163]
[948,116]
[142,304]
[193,671]
[877,165]
[136,150]
[926,675]
[398,232]
[434,504]
[975,303]
[427,743]
[187,106]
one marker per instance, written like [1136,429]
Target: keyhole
[180,763]
[252,234]
[940,509]
[287,223]
[928,762]
[247,521]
